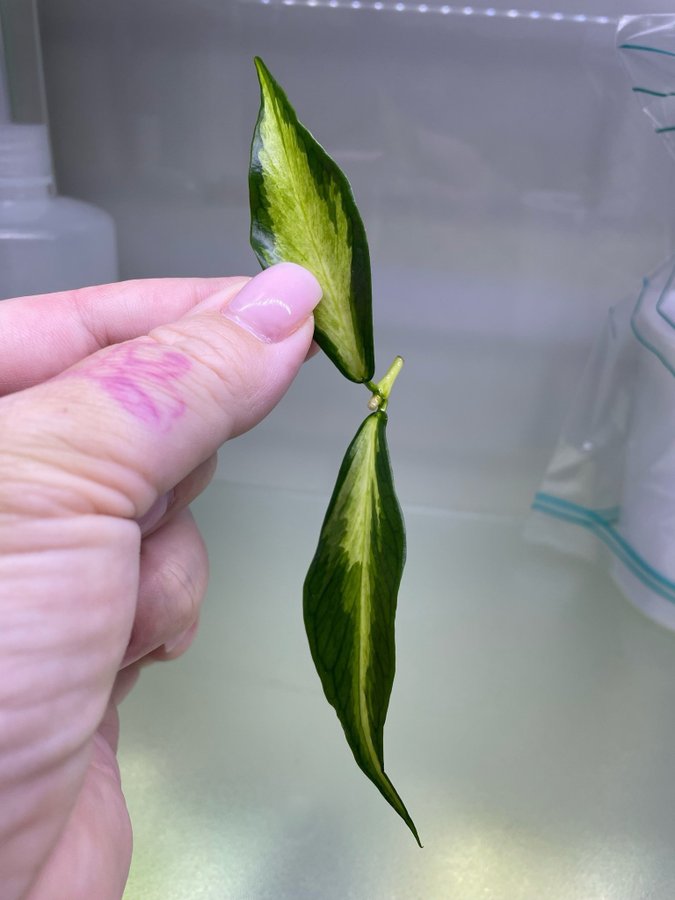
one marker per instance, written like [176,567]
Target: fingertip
[276,302]
[177,645]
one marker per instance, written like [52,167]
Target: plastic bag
[611,481]
[647,49]
[612,475]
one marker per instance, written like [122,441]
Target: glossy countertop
[531,729]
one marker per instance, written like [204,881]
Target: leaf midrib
[364,608]
[309,231]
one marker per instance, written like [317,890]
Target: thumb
[126,424]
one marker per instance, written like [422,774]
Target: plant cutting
[303,211]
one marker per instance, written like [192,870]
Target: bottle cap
[25,158]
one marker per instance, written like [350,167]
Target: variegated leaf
[350,599]
[303,211]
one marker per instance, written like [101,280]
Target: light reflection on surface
[444,9]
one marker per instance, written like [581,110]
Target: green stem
[382,389]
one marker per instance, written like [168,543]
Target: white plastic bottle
[47,243]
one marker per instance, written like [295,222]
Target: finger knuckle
[183,588]
[225,364]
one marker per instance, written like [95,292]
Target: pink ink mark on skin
[144,384]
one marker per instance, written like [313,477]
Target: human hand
[113,403]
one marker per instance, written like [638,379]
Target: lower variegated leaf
[350,599]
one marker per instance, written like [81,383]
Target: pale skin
[113,403]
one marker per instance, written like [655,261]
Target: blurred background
[512,190]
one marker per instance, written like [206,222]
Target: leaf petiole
[381,390]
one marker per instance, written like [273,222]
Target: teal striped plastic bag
[647,49]
[611,481]
[610,485]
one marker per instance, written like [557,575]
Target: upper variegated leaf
[350,599]
[303,211]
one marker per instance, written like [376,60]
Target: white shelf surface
[530,730]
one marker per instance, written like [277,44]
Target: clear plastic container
[47,243]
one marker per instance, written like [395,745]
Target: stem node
[382,389]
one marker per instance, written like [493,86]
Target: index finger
[42,335]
